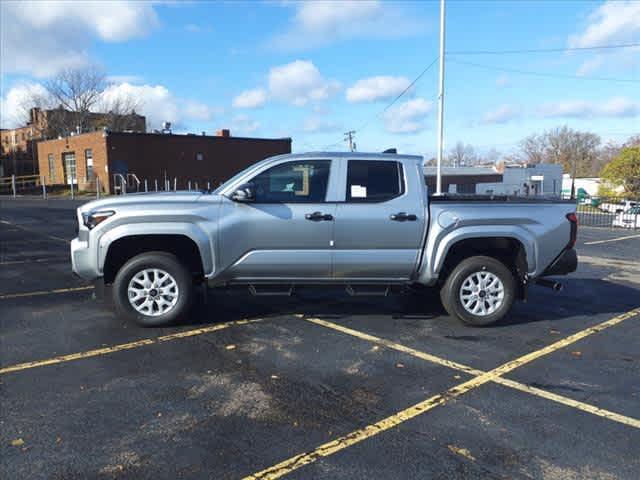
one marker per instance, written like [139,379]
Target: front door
[379,228]
[285,232]
[69,163]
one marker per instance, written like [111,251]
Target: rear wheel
[479,291]
[153,289]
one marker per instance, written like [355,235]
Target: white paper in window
[358,191]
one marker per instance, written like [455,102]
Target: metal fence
[609,212]
[36,185]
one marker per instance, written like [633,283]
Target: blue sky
[313,70]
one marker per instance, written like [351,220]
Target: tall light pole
[440,103]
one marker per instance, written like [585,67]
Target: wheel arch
[121,249]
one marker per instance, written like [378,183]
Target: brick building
[116,156]
[18,152]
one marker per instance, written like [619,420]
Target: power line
[415,80]
[365,124]
[543,74]
[543,50]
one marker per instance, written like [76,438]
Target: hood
[146,199]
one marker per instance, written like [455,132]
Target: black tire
[154,260]
[450,292]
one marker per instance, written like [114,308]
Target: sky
[314,70]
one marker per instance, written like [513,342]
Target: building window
[69,162]
[52,168]
[199,156]
[88,158]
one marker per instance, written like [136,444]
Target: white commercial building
[527,180]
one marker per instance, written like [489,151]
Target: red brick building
[18,152]
[114,156]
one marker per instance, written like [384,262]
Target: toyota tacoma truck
[362,221]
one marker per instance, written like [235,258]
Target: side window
[293,182]
[374,181]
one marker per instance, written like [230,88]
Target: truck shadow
[581,297]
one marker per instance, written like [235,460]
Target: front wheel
[479,291]
[153,289]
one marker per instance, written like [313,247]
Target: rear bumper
[567,262]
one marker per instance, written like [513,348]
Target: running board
[368,291]
[270,291]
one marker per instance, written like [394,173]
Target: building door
[284,233]
[379,228]
[69,163]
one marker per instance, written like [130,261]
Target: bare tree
[461,155]
[534,148]
[76,92]
[120,112]
[575,151]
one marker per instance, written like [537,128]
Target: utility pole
[440,103]
[348,136]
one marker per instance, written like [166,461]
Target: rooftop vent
[225,132]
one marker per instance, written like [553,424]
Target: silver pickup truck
[363,221]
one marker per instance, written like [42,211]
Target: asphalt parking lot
[316,385]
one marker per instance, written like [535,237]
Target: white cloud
[250,98]
[124,79]
[41,38]
[614,22]
[244,125]
[611,22]
[376,88]
[299,83]
[615,107]
[158,104]
[502,114]
[317,125]
[318,23]
[15,105]
[408,117]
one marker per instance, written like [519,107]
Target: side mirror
[244,193]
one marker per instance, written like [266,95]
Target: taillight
[573,219]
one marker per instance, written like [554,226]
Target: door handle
[318,217]
[403,217]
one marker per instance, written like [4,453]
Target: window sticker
[358,191]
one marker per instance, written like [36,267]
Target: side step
[270,291]
[368,290]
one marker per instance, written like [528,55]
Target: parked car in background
[617,207]
[362,221]
[628,219]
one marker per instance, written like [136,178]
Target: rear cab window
[374,181]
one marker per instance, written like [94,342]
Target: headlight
[92,219]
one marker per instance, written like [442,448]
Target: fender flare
[189,230]
[440,246]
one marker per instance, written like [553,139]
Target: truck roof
[353,156]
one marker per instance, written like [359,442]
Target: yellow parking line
[124,346]
[611,240]
[35,260]
[8,296]
[585,407]
[52,237]
[569,402]
[287,466]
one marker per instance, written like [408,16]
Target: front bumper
[567,262]
[82,262]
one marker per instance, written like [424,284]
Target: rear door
[379,227]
